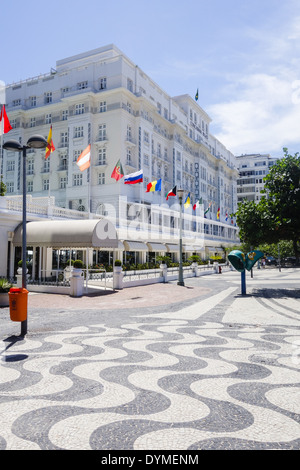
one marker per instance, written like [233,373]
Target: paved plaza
[159,367]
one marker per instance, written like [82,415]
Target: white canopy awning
[157,247]
[69,233]
[130,245]
[186,248]
[172,248]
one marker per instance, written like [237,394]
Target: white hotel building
[102,98]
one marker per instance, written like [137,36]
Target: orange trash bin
[18,298]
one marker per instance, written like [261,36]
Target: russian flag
[134,178]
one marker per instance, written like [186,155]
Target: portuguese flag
[117,172]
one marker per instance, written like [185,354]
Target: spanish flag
[218,213]
[187,201]
[49,147]
[154,186]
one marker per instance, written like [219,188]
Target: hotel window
[48,119]
[16,102]
[128,157]
[48,97]
[30,166]
[65,115]
[78,131]
[13,123]
[32,101]
[29,186]
[102,108]
[102,83]
[102,132]
[82,85]
[63,182]
[79,108]
[46,184]
[32,122]
[146,137]
[146,160]
[129,85]
[10,165]
[101,178]
[158,150]
[129,133]
[64,138]
[46,168]
[77,180]
[76,154]
[10,187]
[102,156]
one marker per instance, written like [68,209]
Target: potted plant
[164,261]
[194,259]
[118,266]
[77,268]
[5,286]
[20,267]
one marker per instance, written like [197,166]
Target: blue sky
[243,56]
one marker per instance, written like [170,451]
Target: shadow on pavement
[276,293]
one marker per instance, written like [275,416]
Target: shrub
[5,285]
[118,262]
[78,264]
[194,259]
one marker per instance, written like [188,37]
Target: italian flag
[84,159]
[197,204]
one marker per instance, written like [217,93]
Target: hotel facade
[102,98]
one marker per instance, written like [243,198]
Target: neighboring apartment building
[252,170]
[102,98]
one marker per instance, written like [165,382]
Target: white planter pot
[19,270]
[76,272]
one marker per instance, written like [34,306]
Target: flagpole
[2,158]
[89,195]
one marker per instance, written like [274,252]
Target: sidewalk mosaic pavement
[160,367]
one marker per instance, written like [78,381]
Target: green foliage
[3,188]
[118,262]
[5,285]
[194,259]
[78,264]
[164,259]
[276,216]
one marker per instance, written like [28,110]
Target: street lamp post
[180,277]
[36,142]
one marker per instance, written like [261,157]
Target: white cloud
[264,118]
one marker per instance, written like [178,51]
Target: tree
[276,216]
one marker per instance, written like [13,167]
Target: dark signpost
[240,262]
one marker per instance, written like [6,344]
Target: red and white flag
[4,122]
[84,159]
